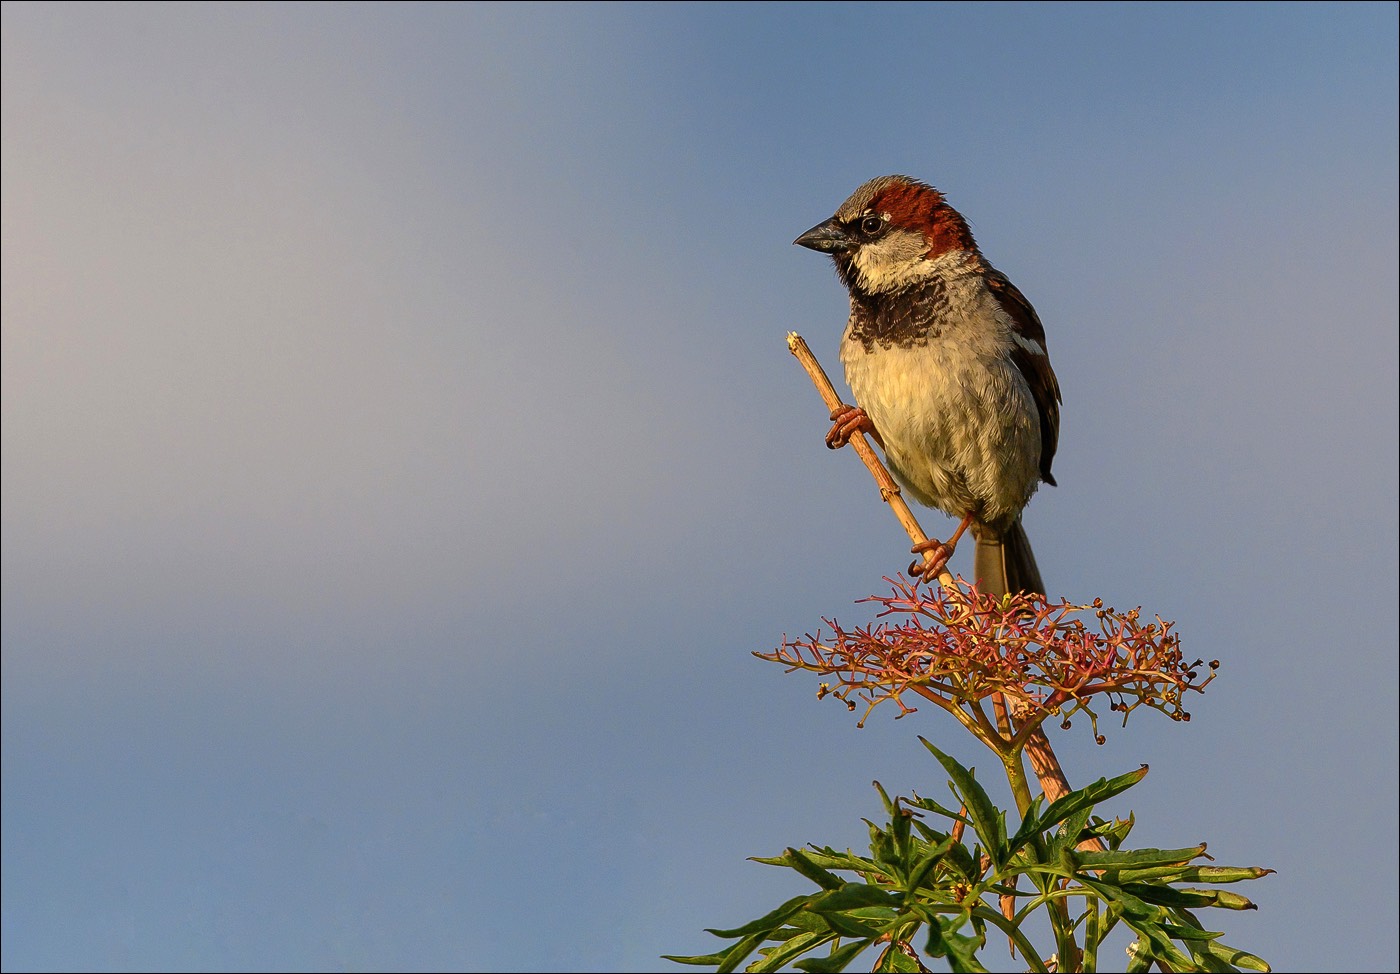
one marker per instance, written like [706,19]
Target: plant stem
[1016,778]
[1043,760]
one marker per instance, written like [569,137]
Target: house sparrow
[948,364]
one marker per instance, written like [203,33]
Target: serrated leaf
[899,833]
[1189,899]
[1239,958]
[988,822]
[700,960]
[1121,902]
[963,861]
[835,961]
[1206,961]
[882,848]
[769,921]
[1225,900]
[960,950]
[775,958]
[1139,859]
[804,920]
[800,861]
[1067,835]
[896,961]
[929,834]
[1114,833]
[852,927]
[1165,875]
[1194,874]
[890,807]
[738,953]
[1158,943]
[1181,931]
[929,805]
[930,860]
[1087,797]
[852,896]
[828,858]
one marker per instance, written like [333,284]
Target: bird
[950,371]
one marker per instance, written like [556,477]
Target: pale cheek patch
[891,263]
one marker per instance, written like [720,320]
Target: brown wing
[1033,359]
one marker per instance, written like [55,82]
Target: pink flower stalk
[958,647]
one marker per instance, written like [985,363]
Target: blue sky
[402,457]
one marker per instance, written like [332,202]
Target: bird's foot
[928,569]
[847,422]
[931,568]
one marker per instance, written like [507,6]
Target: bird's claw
[847,422]
[929,569]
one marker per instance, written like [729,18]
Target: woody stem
[1043,760]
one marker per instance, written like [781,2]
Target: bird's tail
[1005,563]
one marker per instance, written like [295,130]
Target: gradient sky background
[402,457]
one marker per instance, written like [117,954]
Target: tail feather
[1005,563]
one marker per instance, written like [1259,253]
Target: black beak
[827,238]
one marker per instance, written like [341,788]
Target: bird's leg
[848,421]
[942,551]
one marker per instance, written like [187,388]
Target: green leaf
[960,950]
[1031,826]
[961,859]
[1180,931]
[701,960]
[777,957]
[853,928]
[929,805]
[769,921]
[826,857]
[1195,874]
[1093,936]
[930,835]
[1122,903]
[899,833]
[739,952]
[1139,859]
[835,961]
[1189,899]
[881,847]
[852,896]
[1239,958]
[1087,797]
[1071,828]
[1155,940]
[929,861]
[891,806]
[1225,900]
[1113,833]
[896,961]
[800,861]
[989,823]
[804,920]
[1207,961]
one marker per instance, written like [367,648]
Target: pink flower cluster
[956,647]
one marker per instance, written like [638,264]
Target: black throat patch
[901,319]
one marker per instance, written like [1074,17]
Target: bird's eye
[871,225]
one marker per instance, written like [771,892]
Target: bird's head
[883,238]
